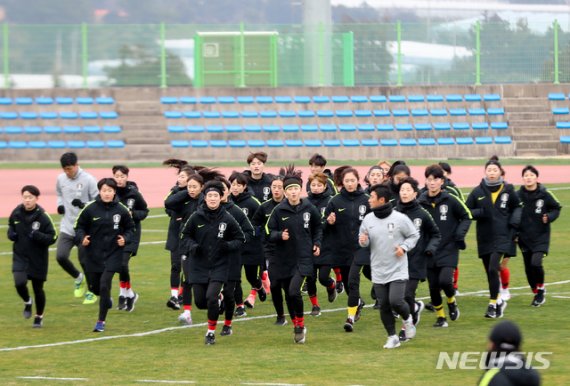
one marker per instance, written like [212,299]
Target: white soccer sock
[79,278]
[130,293]
[174,292]
[123,292]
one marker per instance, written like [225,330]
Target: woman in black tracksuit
[259,220]
[295,228]
[129,195]
[207,241]
[496,207]
[453,220]
[252,259]
[105,227]
[427,245]
[32,231]
[258,182]
[540,209]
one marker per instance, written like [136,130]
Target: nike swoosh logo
[341,209]
[481,198]
[16,222]
[96,218]
[201,225]
[284,218]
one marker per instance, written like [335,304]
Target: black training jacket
[303,222]
[259,219]
[453,219]
[249,234]
[208,242]
[32,233]
[321,200]
[429,241]
[497,223]
[174,207]
[340,240]
[260,189]
[534,234]
[104,222]
[134,201]
[252,253]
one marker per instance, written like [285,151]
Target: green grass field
[149,345]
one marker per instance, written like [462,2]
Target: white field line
[272,384]
[55,378]
[163,381]
[167,329]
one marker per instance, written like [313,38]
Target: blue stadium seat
[401,113]
[5,101]
[211,114]
[287,114]
[419,113]
[252,129]
[44,101]
[214,129]
[370,142]
[229,114]
[378,99]
[563,125]
[168,100]
[255,143]
[453,98]
[321,99]
[271,128]
[362,113]
[460,126]
[84,100]
[192,114]
[344,113]
[249,114]
[340,99]
[207,100]
[366,127]
[76,144]
[245,100]
[480,126]
[457,112]
[381,113]
[441,126]
[195,129]
[306,113]
[32,130]
[464,140]
[309,128]
[172,114]
[408,142]
[556,96]
[56,144]
[52,129]
[389,142]
[435,98]
[397,98]
[198,143]
[3,145]
[236,143]
[71,129]
[108,115]
[88,115]
[275,143]
[283,99]
[97,129]
[350,142]
[268,114]
[476,111]
[24,101]
[445,141]
[13,130]
[347,128]
[234,129]
[28,115]
[312,143]
[422,127]
[302,99]
[359,99]
[331,142]
[104,100]
[226,100]
[499,125]
[385,127]
[293,143]
[426,141]
[176,129]
[8,115]
[96,144]
[416,98]
[483,140]
[218,143]
[17,144]
[404,127]
[491,97]
[325,113]
[64,101]
[496,111]
[560,111]
[37,144]
[290,128]
[565,139]
[328,128]
[188,100]
[48,115]
[180,143]
[503,140]
[264,99]
[112,129]
[472,98]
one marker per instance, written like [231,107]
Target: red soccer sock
[264,275]
[314,300]
[300,322]
[505,277]
[122,284]
[539,287]
[337,274]
[227,323]
[187,308]
[253,293]
[212,325]
[455,277]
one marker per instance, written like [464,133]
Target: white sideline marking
[166,329]
[273,384]
[55,378]
[560,297]
[162,381]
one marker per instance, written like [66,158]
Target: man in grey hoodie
[75,188]
[390,235]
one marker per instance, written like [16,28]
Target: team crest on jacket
[362,212]
[79,187]
[221,229]
[443,212]
[245,211]
[266,191]
[306,219]
[539,206]
[418,223]
[35,225]
[116,221]
[130,203]
[504,200]
[323,211]
[391,227]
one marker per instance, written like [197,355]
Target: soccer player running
[430,237]
[129,195]
[295,228]
[207,242]
[497,209]
[453,220]
[105,227]
[32,231]
[540,209]
[75,187]
[318,164]
[390,235]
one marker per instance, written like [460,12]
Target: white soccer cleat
[392,342]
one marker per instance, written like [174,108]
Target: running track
[154,183]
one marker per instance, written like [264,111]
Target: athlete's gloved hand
[61,209]
[12,234]
[78,203]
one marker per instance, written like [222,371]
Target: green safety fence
[168,55]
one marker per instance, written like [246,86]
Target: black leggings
[124,274]
[186,286]
[410,294]
[229,298]
[65,243]
[492,264]
[354,282]
[21,283]
[440,278]
[207,296]
[277,288]
[391,296]
[252,276]
[295,295]
[533,268]
[326,280]
[175,269]
[100,284]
